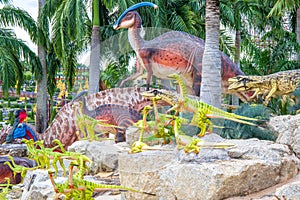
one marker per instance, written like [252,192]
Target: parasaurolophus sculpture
[171,52]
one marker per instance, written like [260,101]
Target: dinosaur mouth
[116,26]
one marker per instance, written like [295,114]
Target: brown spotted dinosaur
[171,52]
[63,127]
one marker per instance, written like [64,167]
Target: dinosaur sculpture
[76,187]
[6,172]
[113,114]
[202,111]
[280,83]
[171,52]
[20,129]
[63,127]
[166,125]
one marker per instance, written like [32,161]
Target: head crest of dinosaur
[132,8]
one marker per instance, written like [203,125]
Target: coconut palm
[42,95]
[211,62]
[15,55]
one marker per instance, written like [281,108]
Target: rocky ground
[251,169]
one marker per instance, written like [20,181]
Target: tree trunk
[41,97]
[237,58]
[298,29]
[211,91]
[94,73]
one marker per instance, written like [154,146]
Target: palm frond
[20,49]
[11,16]
[282,5]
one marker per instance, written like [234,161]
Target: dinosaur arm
[272,91]
[256,93]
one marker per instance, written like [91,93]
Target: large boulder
[104,154]
[288,130]
[250,166]
[289,191]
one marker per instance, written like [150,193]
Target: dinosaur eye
[155,92]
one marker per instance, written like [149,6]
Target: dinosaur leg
[197,77]
[120,136]
[257,92]
[272,91]
[139,73]
[149,78]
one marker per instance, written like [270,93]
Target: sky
[32,8]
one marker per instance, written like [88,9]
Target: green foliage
[114,71]
[294,108]
[235,130]
[15,55]
[11,118]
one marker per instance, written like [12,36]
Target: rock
[104,155]
[288,130]
[38,186]
[141,171]
[133,134]
[252,165]
[289,191]
[18,150]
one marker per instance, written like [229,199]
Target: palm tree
[94,72]
[15,55]
[211,63]
[293,5]
[42,95]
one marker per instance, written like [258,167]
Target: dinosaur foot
[120,137]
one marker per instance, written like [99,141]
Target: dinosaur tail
[219,112]
[231,119]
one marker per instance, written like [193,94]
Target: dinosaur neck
[134,34]
[86,111]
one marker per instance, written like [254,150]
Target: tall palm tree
[211,62]
[42,95]
[94,72]
[15,55]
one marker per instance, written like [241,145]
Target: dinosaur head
[164,95]
[21,115]
[243,83]
[127,18]
[174,76]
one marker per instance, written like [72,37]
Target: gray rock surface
[38,186]
[18,150]
[290,191]
[250,166]
[104,155]
[288,130]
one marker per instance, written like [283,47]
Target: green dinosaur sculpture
[202,111]
[5,190]
[43,156]
[18,168]
[88,125]
[77,188]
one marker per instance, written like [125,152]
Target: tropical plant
[16,56]
[236,130]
